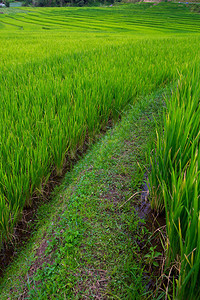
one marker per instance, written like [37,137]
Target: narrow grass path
[91,244]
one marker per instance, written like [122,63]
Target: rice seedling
[175,181]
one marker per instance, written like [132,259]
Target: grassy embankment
[66,72]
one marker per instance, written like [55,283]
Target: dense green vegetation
[90,241]
[65,72]
[60,3]
[175,181]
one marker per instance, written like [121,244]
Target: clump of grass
[175,181]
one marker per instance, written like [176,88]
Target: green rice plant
[59,87]
[8,218]
[183,230]
[181,131]
[175,181]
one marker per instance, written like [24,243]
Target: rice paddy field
[66,72]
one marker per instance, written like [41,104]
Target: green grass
[175,182]
[59,88]
[90,241]
[66,72]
